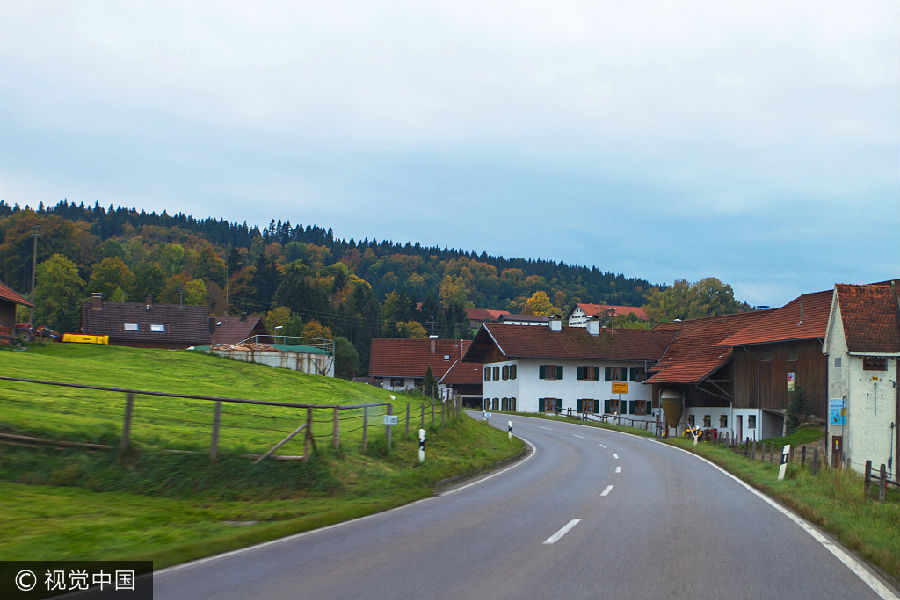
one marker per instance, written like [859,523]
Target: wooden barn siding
[7,313]
[763,384]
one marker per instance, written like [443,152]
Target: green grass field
[150,504]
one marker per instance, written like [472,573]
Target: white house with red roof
[583,312]
[401,363]
[555,368]
[862,343]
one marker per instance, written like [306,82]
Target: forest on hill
[299,277]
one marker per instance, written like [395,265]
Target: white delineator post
[421,445]
[509,428]
[785,452]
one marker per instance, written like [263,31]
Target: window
[549,404]
[512,404]
[159,327]
[765,354]
[637,374]
[487,404]
[397,382]
[551,372]
[707,421]
[512,372]
[691,420]
[612,406]
[874,363]
[837,362]
[641,407]
[792,352]
[495,404]
[505,372]
[487,373]
[588,373]
[751,422]
[616,373]
[131,326]
[587,405]
[723,421]
[496,373]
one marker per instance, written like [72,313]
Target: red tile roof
[463,373]
[530,341]
[484,314]
[234,329]
[870,317]
[695,352]
[805,317]
[593,310]
[7,293]
[405,357]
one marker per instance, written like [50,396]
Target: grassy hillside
[150,504]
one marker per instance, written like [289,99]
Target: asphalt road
[589,514]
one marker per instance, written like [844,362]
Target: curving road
[589,514]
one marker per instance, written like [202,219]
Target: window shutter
[596,407]
[487,373]
[541,375]
[606,406]
[579,404]
[541,402]
[513,371]
[596,374]
[579,373]
[609,374]
[559,371]
[631,407]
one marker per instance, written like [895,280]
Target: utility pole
[35,233]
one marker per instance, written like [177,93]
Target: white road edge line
[601,445]
[606,492]
[616,456]
[580,437]
[295,536]
[542,427]
[618,469]
[848,560]
[566,529]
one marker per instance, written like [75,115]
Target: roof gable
[463,373]
[410,357]
[235,329]
[7,293]
[870,316]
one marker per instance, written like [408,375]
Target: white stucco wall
[314,364]
[870,398]
[528,387]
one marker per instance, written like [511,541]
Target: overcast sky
[757,142]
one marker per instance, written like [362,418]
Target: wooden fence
[360,423]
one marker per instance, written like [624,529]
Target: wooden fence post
[868,478]
[881,484]
[422,426]
[407,420]
[365,428]
[815,465]
[336,429]
[217,420]
[432,412]
[443,412]
[753,451]
[126,426]
[803,456]
[308,436]
[387,428]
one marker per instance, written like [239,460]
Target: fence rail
[269,429]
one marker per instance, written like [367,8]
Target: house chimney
[96,301]
[555,323]
[593,327]
[433,339]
